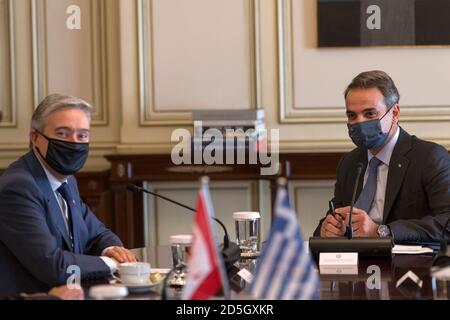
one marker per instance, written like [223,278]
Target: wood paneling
[156,167]
[95,192]
[128,211]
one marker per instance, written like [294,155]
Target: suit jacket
[417,199]
[35,248]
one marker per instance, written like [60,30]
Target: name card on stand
[338,263]
[246,275]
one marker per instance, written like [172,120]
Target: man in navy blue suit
[45,227]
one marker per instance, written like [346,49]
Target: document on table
[402,249]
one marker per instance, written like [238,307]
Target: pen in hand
[331,205]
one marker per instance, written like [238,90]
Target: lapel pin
[399,165]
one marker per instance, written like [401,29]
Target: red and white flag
[206,272]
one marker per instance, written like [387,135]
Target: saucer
[134,287]
[142,287]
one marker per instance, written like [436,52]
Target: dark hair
[376,79]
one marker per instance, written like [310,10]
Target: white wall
[146,64]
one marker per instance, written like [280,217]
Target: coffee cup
[135,272]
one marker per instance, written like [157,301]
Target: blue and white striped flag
[285,270]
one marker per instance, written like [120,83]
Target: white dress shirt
[376,211]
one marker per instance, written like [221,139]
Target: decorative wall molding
[39,36]
[8,109]
[100,60]
[289,113]
[156,235]
[148,113]
[98,52]
[309,199]
[304,146]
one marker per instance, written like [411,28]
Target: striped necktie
[365,199]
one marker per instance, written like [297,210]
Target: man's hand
[120,255]
[64,293]
[363,225]
[332,226]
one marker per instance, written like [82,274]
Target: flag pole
[282,182]
[204,181]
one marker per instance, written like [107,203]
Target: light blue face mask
[368,134]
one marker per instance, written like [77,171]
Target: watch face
[383,231]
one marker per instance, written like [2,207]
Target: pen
[331,204]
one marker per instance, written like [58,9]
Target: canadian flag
[206,272]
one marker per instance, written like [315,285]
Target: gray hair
[376,79]
[56,102]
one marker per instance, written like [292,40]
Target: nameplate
[246,275]
[335,270]
[338,259]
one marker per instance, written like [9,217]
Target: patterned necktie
[65,193]
[365,199]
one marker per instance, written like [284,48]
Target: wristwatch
[384,230]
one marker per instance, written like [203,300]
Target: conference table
[334,286]
[356,286]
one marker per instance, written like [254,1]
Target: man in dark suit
[46,230]
[404,190]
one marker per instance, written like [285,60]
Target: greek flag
[285,270]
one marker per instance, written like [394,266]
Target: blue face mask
[368,134]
